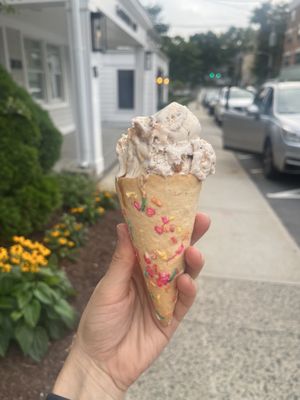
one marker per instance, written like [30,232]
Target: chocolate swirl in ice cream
[165,143]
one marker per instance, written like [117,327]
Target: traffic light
[214,75]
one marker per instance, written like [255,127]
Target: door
[257,126]
[245,131]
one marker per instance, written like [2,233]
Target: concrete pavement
[241,339]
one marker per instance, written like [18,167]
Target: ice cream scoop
[165,144]
[163,162]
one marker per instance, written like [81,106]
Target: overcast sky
[187,17]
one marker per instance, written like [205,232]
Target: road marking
[244,156]
[255,171]
[287,194]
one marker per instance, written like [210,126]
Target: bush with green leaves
[33,299]
[76,188]
[29,147]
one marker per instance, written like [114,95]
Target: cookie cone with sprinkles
[160,213]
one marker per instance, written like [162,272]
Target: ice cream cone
[160,213]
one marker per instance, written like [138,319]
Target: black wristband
[52,396]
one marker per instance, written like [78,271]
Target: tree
[154,12]
[272,22]
[4,7]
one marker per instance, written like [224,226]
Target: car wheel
[270,171]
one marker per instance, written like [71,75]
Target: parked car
[239,99]
[270,127]
[210,99]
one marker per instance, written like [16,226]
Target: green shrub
[15,101]
[76,188]
[29,145]
[33,306]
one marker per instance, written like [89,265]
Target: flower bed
[22,378]
[34,290]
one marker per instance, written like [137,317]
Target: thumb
[121,267]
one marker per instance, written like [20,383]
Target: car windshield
[288,100]
[236,93]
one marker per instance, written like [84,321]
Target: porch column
[86,86]
[140,86]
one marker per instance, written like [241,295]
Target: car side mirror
[253,111]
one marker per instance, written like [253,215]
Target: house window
[297,58]
[54,65]
[126,89]
[35,68]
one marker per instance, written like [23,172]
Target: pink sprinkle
[172,228]
[137,205]
[150,272]
[159,230]
[173,240]
[180,249]
[165,220]
[150,212]
[147,258]
[163,279]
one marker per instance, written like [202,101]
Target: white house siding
[111,63]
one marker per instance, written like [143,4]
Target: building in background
[291,56]
[93,64]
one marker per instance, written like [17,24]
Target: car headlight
[291,136]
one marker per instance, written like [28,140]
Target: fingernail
[120,232]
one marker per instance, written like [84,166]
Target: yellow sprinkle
[171,218]
[131,194]
[162,255]
[179,230]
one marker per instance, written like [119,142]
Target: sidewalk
[240,341]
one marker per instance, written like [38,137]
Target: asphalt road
[283,194]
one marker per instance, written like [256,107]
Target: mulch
[22,378]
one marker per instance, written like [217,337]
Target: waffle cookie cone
[160,213]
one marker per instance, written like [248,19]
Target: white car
[239,100]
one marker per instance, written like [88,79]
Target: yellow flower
[27,256]
[55,233]
[77,210]
[15,260]
[107,194]
[66,233]
[101,210]
[71,244]
[16,250]
[78,227]
[62,241]
[98,198]
[7,267]
[25,268]
[3,253]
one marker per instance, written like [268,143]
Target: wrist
[81,379]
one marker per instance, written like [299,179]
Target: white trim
[6,53]
[23,55]
[32,31]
